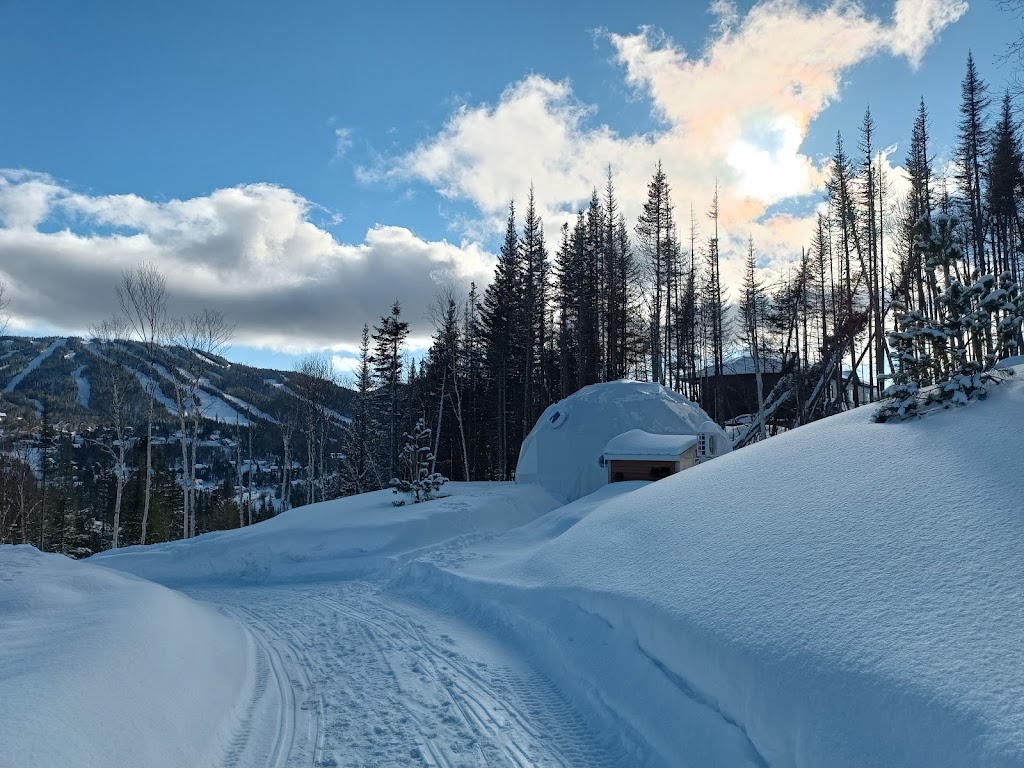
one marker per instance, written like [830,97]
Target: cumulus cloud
[736,115]
[250,251]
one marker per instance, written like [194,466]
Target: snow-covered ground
[846,594]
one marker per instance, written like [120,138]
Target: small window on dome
[557,419]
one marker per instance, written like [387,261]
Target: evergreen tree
[566,305]
[419,482]
[950,356]
[534,312]
[1005,182]
[713,316]
[754,312]
[501,326]
[653,238]
[971,157]
[389,346]
[361,441]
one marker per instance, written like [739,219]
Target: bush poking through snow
[420,483]
[948,357]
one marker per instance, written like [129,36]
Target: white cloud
[342,142]
[344,366]
[250,251]
[917,23]
[736,114]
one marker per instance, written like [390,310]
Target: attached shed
[640,455]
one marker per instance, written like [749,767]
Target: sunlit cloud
[736,114]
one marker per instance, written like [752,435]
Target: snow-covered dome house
[565,451]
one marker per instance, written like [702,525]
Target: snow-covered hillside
[846,594]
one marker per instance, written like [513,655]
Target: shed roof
[636,444]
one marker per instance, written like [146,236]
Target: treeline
[610,298]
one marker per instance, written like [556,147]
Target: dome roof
[563,451]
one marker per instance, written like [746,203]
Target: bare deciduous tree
[201,336]
[142,297]
[114,441]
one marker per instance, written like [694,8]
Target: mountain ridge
[69,378]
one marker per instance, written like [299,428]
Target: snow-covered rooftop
[637,444]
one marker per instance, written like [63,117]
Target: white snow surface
[247,407]
[845,594]
[84,388]
[33,364]
[562,453]
[211,407]
[158,394]
[345,538]
[103,669]
[636,444]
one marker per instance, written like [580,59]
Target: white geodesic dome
[563,451]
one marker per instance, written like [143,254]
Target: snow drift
[847,594]
[562,452]
[341,539]
[103,669]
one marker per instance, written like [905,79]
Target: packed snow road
[348,674]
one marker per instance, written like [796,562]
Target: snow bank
[562,452]
[846,594]
[344,538]
[90,660]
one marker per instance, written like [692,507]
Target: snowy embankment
[847,594]
[102,669]
[342,539]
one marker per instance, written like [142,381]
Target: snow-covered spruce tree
[907,342]
[950,357]
[419,483]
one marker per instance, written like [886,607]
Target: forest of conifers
[607,299]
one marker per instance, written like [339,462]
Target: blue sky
[300,165]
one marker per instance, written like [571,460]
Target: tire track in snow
[363,679]
[278,728]
[514,715]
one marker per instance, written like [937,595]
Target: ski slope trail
[35,363]
[348,674]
